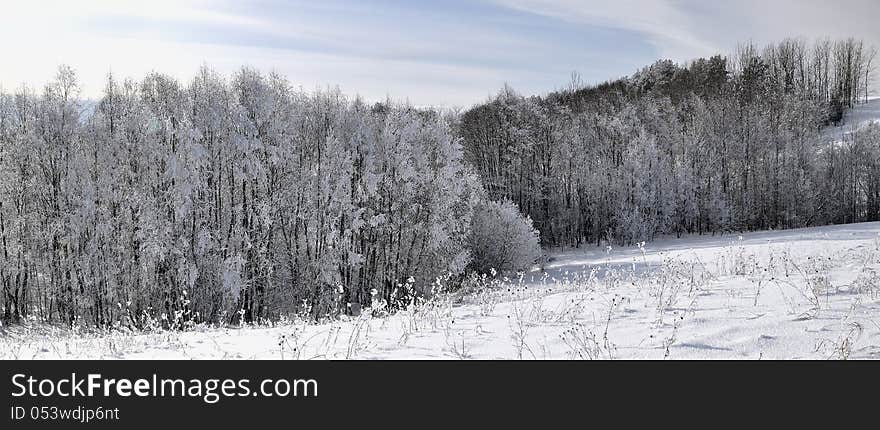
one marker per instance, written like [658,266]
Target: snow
[794,294]
[854,119]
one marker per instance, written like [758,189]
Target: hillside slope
[854,119]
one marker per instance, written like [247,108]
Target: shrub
[502,239]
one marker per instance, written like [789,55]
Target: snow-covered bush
[502,238]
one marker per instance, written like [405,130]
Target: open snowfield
[798,294]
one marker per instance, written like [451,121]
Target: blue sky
[452,52]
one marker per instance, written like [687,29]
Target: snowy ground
[807,293]
[857,118]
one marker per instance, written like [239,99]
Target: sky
[445,52]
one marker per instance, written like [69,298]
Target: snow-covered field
[807,293]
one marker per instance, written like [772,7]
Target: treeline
[224,201]
[719,144]
[244,199]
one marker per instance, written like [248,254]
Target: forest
[719,144]
[244,198]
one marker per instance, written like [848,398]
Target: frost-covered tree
[222,199]
[502,239]
[718,144]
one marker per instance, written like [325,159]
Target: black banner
[120,394]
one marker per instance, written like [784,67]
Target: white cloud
[53,12]
[684,29]
[428,60]
[663,23]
